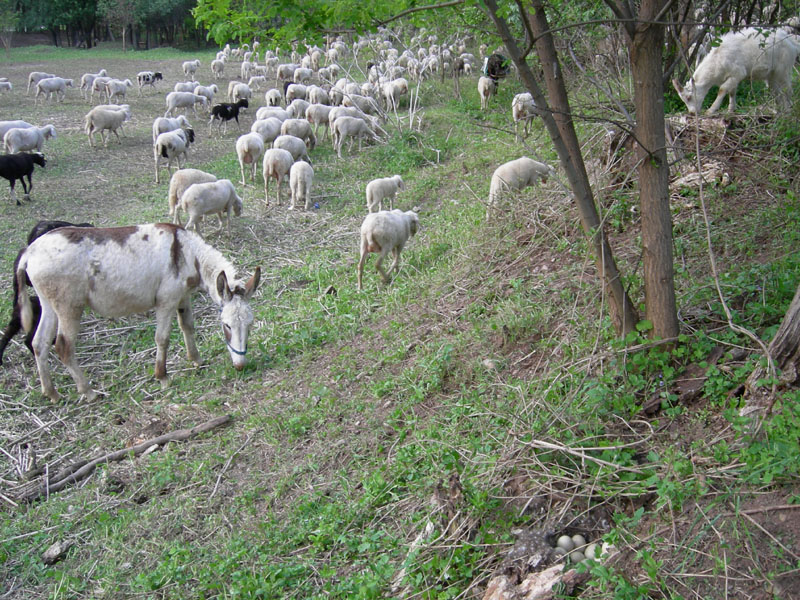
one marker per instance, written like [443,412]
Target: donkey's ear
[222,287]
[252,283]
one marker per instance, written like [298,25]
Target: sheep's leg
[241,166]
[42,340]
[68,326]
[14,194]
[396,263]
[379,266]
[362,260]
[186,323]
[163,325]
[266,189]
[30,185]
[116,134]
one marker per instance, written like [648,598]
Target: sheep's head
[413,221]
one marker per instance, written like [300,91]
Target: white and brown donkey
[124,270]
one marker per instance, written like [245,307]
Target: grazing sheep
[215,197]
[99,86]
[382,189]
[19,166]
[297,108]
[516,175]
[268,129]
[301,176]
[273,97]
[87,80]
[365,104]
[285,72]
[276,165]
[217,68]
[6,125]
[296,147]
[144,78]
[30,138]
[53,86]
[393,90]
[5,86]
[256,81]
[383,232]
[249,150]
[523,109]
[302,75]
[241,91]
[295,90]
[176,100]
[486,89]
[224,112]
[300,128]
[190,68]
[207,91]
[102,119]
[164,124]
[179,183]
[317,95]
[172,144]
[186,86]
[317,115]
[35,77]
[117,89]
[265,112]
[745,54]
[349,128]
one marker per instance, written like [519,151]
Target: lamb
[277,163]
[516,175]
[241,91]
[268,129]
[172,144]
[87,80]
[317,114]
[179,183]
[102,119]
[207,91]
[19,166]
[224,112]
[217,68]
[30,138]
[393,90]
[301,176]
[6,125]
[350,127]
[382,232]
[249,149]
[190,68]
[116,88]
[35,77]
[300,128]
[486,89]
[53,85]
[176,100]
[745,54]
[523,109]
[296,147]
[215,197]
[164,124]
[382,189]
[186,86]
[144,78]
[273,97]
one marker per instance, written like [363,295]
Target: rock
[56,552]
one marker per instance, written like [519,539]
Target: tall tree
[120,13]
[9,19]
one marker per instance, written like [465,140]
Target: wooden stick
[85,468]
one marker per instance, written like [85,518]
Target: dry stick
[715,271]
[71,477]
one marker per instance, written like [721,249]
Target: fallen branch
[84,468]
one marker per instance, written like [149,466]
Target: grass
[387,443]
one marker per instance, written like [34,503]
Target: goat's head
[688,94]
[39,159]
[190,135]
[243,103]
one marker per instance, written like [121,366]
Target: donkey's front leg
[163,326]
[186,322]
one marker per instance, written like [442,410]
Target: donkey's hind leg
[41,349]
[69,324]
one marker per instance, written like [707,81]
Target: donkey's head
[236,315]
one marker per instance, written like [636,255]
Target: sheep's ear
[252,284]
[678,87]
[222,287]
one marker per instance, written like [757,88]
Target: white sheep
[117,88]
[268,129]
[265,112]
[53,85]
[102,119]
[276,165]
[240,91]
[295,90]
[256,81]
[317,95]
[393,90]
[273,97]
[302,75]
[300,128]
[99,86]
[383,232]
[245,71]
[486,89]
[190,68]
[297,108]
[382,189]
[6,125]
[164,124]
[523,109]
[208,91]
[87,79]
[186,86]
[213,197]
[35,77]
[5,86]
[285,72]
[365,104]
[296,147]
[179,183]
[217,68]
[176,100]
[249,150]
[349,128]
[301,176]
[30,138]
[745,54]
[317,115]
[172,144]
[516,175]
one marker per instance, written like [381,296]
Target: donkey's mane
[211,263]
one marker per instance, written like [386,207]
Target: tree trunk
[646,40]
[124,32]
[558,122]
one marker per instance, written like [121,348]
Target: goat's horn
[678,87]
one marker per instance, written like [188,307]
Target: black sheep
[226,111]
[18,166]
[15,324]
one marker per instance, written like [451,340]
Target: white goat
[301,176]
[516,175]
[179,183]
[746,54]
[214,197]
[172,144]
[190,68]
[276,165]
[382,189]
[102,119]
[176,100]
[29,138]
[249,150]
[53,85]
[383,232]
